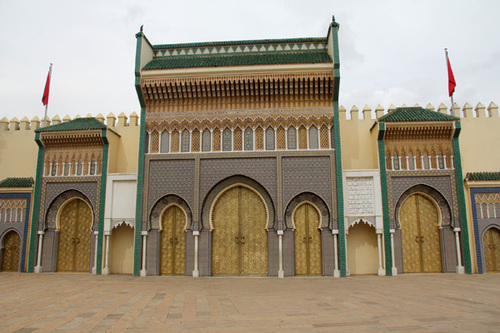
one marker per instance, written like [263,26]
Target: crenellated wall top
[367,113]
[25,124]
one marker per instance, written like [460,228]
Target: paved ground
[116,303]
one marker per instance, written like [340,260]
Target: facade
[244,163]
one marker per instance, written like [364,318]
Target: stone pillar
[460,267]
[105,271]
[196,272]
[336,271]
[381,270]
[394,269]
[94,269]
[38,267]
[281,273]
[144,241]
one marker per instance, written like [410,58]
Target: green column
[36,205]
[464,228]
[385,200]
[102,201]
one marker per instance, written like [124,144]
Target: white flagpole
[47,105]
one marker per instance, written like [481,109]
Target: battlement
[367,113]
[465,112]
[30,125]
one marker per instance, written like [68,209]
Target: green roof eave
[17,182]
[241,42]
[248,59]
[414,114]
[482,176]
[79,124]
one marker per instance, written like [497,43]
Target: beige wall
[122,250]
[18,152]
[362,251]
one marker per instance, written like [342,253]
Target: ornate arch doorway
[307,240]
[419,220]
[73,254]
[173,241]
[491,241]
[239,237]
[11,248]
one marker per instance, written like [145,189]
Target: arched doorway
[419,220]
[239,237]
[362,249]
[491,241]
[307,240]
[73,254]
[173,241]
[122,250]
[11,248]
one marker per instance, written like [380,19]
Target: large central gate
[73,253]
[239,237]
[420,235]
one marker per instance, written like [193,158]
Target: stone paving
[64,302]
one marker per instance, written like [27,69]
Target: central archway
[419,220]
[239,237]
[75,223]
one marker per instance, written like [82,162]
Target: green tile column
[338,151]
[102,201]
[385,200]
[36,205]
[464,227]
[140,167]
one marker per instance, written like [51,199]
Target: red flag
[45,97]
[451,79]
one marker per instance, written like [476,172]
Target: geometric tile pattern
[443,181]
[316,180]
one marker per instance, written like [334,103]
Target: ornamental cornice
[70,139]
[421,131]
[318,83]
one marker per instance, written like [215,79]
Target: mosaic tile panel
[442,181]
[316,180]
[89,186]
[169,177]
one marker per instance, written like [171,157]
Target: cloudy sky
[392,52]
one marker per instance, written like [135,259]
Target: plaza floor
[64,302]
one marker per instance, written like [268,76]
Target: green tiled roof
[80,124]
[409,114]
[482,176]
[242,42]
[17,182]
[244,59]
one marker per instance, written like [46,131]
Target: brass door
[491,242]
[73,253]
[173,242]
[307,241]
[12,245]
[239,238]
[420,235]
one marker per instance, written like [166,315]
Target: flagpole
[47,86]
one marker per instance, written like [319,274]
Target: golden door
[239,238]
[491,243]
[420,235]
[12,245]
[307,241]
[173,242]
[73,253]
